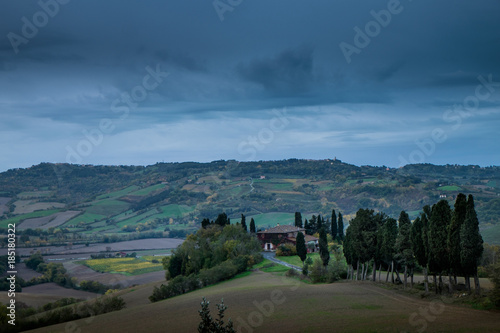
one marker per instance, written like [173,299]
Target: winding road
[272,256]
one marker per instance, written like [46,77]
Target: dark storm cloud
[288,73]
[264,55]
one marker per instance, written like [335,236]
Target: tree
[298,219]
[300,246]
[403,244]
[457,220]
[313,225]
[471,244]
[34,260]
[243,222]
[319,224]
[323,247]
[438,235]
[209,325]
[387,248]
[349,253]
[205,223]
[222,219]
[334,225]
[252,225]
[340,228]
[418,239]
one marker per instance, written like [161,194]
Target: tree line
[314,225]
[441,240]
[223,220]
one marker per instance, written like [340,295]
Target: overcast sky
[140,82]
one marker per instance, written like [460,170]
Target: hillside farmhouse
[271,238]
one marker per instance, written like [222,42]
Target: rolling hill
[82,202]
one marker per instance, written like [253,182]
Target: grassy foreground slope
[296,307]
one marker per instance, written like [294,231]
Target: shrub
[335,271]
[305,269]
[291,273]
[317,272]
[92,308]
[285,250]
[495,278]
[34,260]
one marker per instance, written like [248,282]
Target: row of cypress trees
[441,240]
[316,223]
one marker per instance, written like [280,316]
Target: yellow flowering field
[126,266]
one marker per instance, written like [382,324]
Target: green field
[85,218]
[148,190]
[120,193]
[491,235]
[107,207]
[295,260]
[17,219]
[126,266]
[167,211]
[268,266]
[450,188]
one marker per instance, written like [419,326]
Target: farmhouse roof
[282,229]
[307,239]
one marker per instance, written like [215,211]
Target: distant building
[282,234]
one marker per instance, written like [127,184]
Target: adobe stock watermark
[264,309]
[254,144]
[122,106]
[223,6]
[48,10]
[455,115]
[363,37]
[420,319]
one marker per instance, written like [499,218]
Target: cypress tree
[300,246]
[221,219]
[438,235]
[457,220]
[320,223]
[387,248]
[403,244]
[252,225]
[334,225]
[205,223]
[418,238]
[349,249]
[363,236]
[298,219]
[471,244]
[243,222]
[340,228]
[323,247]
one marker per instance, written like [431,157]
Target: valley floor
[267,302]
